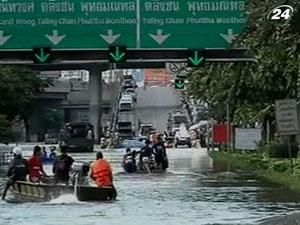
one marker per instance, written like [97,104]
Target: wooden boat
[27,191]
[24,191]
[89,193]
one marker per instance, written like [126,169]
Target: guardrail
[5,155]
[4,158]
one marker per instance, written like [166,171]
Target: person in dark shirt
[129,160]
[17,171]
[160,153]
[145,152]
[52,154]
[62,166]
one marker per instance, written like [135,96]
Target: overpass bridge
[91,101]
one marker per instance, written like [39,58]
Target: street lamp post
[228,125]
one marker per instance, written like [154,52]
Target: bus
[78,137]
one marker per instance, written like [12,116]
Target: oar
[76,184]
[7,185]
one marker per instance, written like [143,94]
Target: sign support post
[287,122]
[290,153]
[228,126]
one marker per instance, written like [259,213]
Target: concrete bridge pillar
[95,109]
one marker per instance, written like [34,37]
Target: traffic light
[117,54]
[195,59]
[42,55]
[179,83]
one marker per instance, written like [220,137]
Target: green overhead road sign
[191,24]
[117,54]
[179,83]
[195,60]
[41,55]
[137,24]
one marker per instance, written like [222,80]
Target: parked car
[50,139]
[131,143]
[182,137]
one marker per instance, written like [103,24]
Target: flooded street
[194,190]
[126,84]
[190,193]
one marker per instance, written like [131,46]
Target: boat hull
[27,191]
[37,192]
[88,193]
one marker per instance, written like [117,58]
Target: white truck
[126,125]
[182,136]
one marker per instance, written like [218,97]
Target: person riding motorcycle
[160,153]
[129,162]
[145,152]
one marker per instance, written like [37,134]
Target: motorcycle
[129,165]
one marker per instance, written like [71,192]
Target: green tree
[5,131]
[53,120]
[252,88]
[18,85]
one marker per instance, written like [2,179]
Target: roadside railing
[5,154]
[4,158]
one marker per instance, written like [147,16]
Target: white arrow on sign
[229,37]
[110,37]
[55,38]
[3,39]
[159,37]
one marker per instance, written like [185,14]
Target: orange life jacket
[101,173]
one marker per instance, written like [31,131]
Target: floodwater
[194,191]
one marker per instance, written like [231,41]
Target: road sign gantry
[140,24]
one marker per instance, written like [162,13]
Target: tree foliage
[53,120]
[5,131]
[18,85]
[252,88]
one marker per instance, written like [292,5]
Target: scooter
[129,165]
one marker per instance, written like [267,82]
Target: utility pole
[228,125]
